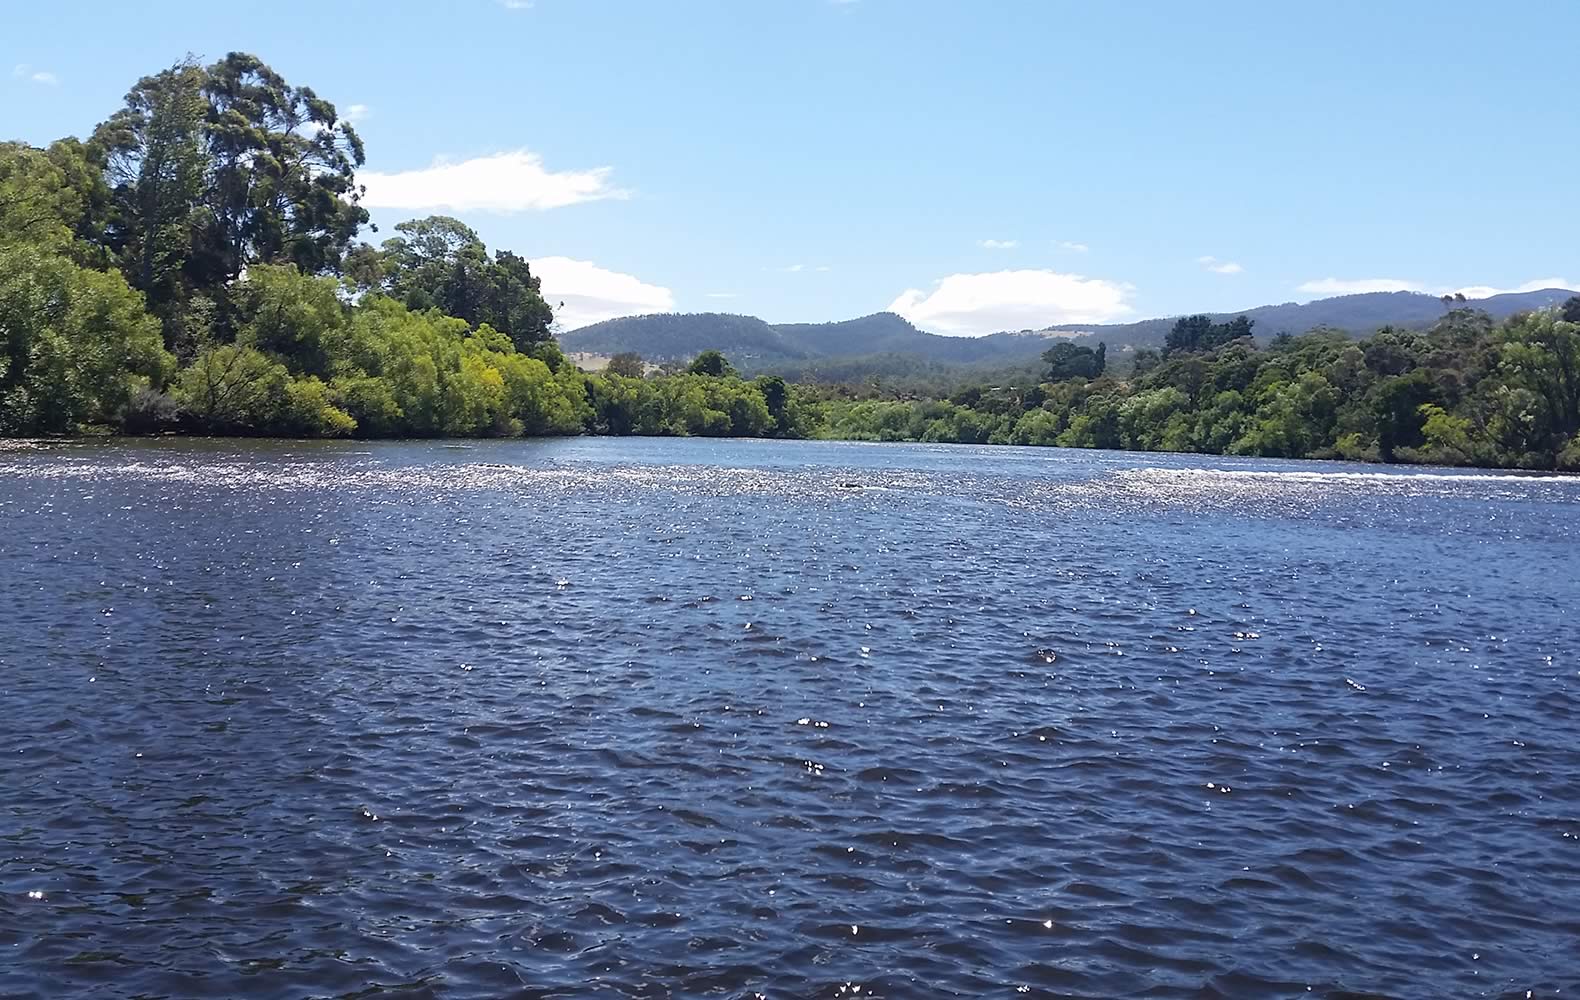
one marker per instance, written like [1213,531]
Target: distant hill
[755,345]
[1357,314]
[885,341]
[667,336]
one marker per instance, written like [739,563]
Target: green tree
[1066,361]
[75,344]
[1144,361]
[628,364]
[440,263]
[1396,406]
[155,168]
[36,203]
[776,399]
[89,209]
[514,303]
[1447,437]
[233,389]
[1200,333]
[212,170]
[298,319]
[1540,352]
[711,363]
[281,162]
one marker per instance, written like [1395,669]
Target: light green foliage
[293,316]
[697,405]
[370,402]
[36,203]
[1448,438]
[1037,427]
[309,412]
[233,389]
[874,420]
[1155,420]
[1222,420]
[1292,418]
[1538,358]
[75,344]
[236,389]
[423,374]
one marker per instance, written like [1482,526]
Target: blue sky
[978,166]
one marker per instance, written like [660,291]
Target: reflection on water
[653,718]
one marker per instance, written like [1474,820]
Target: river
[647,718]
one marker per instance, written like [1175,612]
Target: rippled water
[654,718]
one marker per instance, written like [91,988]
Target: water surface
[660,718]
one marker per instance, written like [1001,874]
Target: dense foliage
[194,267]
[1466,392]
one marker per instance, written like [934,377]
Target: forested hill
[1356,314]
[758,345]
[755,344]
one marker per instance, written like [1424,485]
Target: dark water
[681,718]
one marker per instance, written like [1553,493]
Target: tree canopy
[1200,333]
[213,169]
[1467,392]
[711,363]
[1066,361]
[441,263]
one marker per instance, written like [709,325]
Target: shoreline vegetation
[194,266]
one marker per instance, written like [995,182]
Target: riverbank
[241,443]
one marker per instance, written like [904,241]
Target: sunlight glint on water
[699,717]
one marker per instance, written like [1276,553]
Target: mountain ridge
[755,344]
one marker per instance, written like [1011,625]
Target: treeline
[1468,391]
[194,266]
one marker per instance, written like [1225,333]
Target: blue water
[655,718]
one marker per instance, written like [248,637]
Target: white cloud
[591,294]
[1339,286]
[998,244]
[971,305]
[1072,245]
[1487,291]
[357,113]
[1357,286]
[516,4]
[502,182]
[798,268]
[25,72]
[1217,266]
[721,295]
